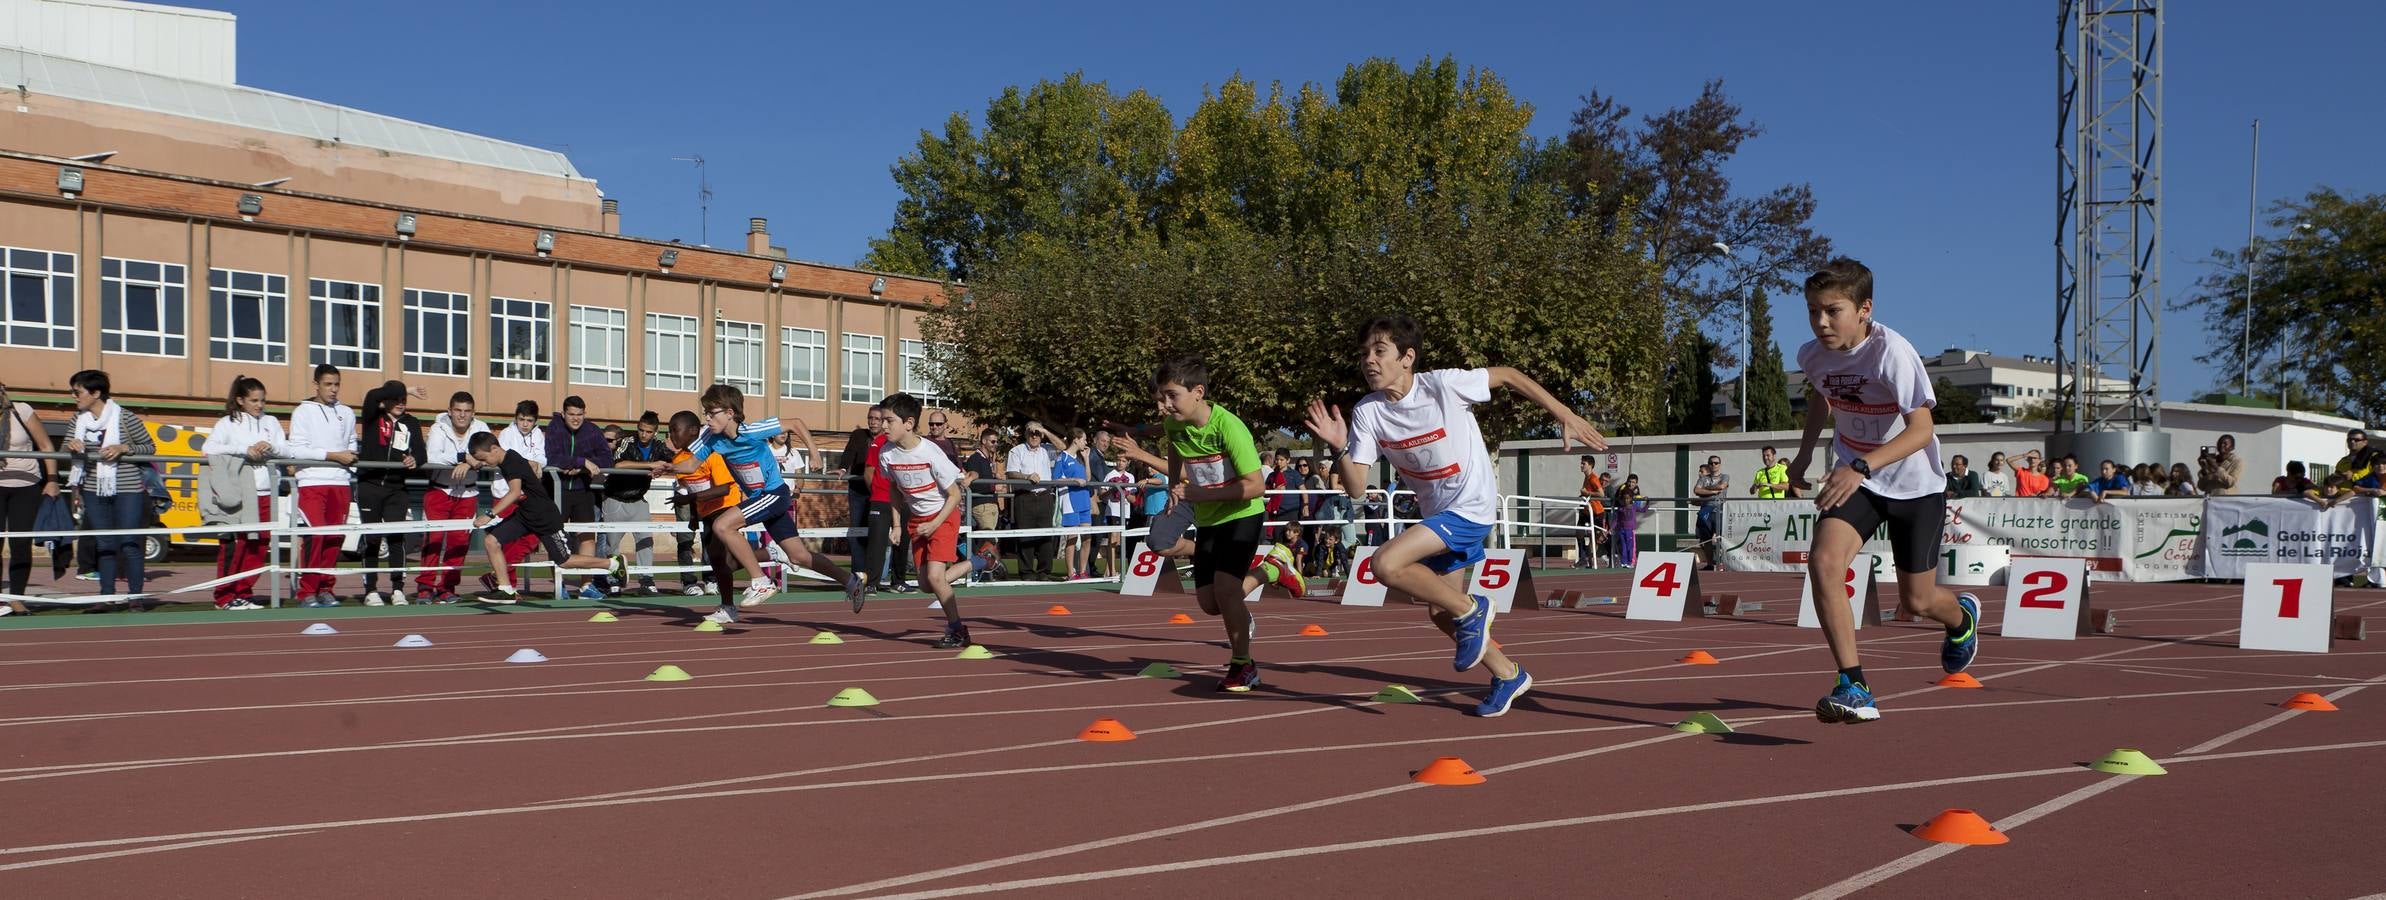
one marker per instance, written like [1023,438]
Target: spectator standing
[1031,461]
[1594,511]
[2149,480]
[1998,480]
[1076,503]
[985,508]
[2182,484]
[1098,469]
[576,448]
[2030,479]
[2068,482]
[113,495]
[2222,469]
[390,436]
[2361,466]
[1710,489]
[321,424]
[454,495]
[1962,482]
[24,484]
[1771,481]
[854,465]
[242,441]
[625,496]
[1629,504]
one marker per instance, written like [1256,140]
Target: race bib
[747,474]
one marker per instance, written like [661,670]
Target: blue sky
[1926,129]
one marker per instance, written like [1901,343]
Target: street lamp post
[1746,362]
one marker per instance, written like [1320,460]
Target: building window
[141,308]
[39,294]
[803,364]
[919,370]
[737,355]
[247,316]
[865,368]
[519,336]
[438,332]
[343,324]
[600,346]
[670,352]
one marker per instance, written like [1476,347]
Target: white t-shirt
[918,476]
[1029,464]
[1432,440]
[1998,483]
[532,446]
[1871,388]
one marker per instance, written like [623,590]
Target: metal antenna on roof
[703,200]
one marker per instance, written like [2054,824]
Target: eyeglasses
[935,424]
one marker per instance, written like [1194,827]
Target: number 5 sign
[1665,588]
[2046,597]
[1503,576]
[2287,607]
[1363,589]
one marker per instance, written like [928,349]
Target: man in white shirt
[525,438]
[454,494]
[321,424]
[1031,460]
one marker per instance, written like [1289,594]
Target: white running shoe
[757,592]
[372,598]
[694,590]
[399,600]
[241,604]
[724,616]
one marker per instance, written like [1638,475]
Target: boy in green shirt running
[1215,484]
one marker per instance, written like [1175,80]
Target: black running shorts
[1915,525]
[1225,549]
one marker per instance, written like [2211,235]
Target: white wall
[197,44]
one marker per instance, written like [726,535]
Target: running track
[242,759]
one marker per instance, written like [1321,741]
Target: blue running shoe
[590,592]
[1964,645]
[1850,703]
[1474,634]
[1504,692]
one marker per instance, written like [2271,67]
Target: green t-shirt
[1214,455]
[1772,482]
[2069,484]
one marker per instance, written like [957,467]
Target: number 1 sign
[2287,607]
[2046,597]
[1665,588]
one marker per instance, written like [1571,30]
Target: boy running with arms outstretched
[1216,483]
[769,502]
[525,511]
[709,492]
[1880,401]
[1422,422]
[926,485]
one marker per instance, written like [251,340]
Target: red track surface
[246,760]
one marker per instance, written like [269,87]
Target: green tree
[2317,295]
[1768,384]
[1690,385]
[1957,405]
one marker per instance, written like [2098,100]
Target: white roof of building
[249,107]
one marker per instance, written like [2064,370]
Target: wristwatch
[1862,468]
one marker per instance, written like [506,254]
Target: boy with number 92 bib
[1889,474]
[1423,423]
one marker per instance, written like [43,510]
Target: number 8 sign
[2046,597]
[2287,607]
[1862,599]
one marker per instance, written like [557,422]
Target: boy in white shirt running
[1889,474]
[1423,424]
[926,485]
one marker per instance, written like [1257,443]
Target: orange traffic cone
[1959,680]
[1106,729]
[1313,630]
[1700,658]
[1180,619]
[1960,826]
[2310,701]
[1057,610]
[1447,770]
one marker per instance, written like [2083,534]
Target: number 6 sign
[2287,607]
[2046,597]
[1862,599]
[1665,588]
[1363,589]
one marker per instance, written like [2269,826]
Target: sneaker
[314,602]
[1288,575]
[240,604]
[760,590]
[591,592]
[618,567]
[399,600]
[857,591]
[694,590]
[955,638]
[1849,704]
[444,598]
[1240,677]
[1964,645]
[904,587]
[488,581]
[650,590]
[1504,692]
[7,610]
[373,598]
[1474,634]
[726,615]
[87,576]
[710,588]
[500,596]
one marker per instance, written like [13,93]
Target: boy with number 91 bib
[1423,423]
[1889,474]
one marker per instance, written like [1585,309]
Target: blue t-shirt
[1066,465]
[2118,484]
[748,453]
[1155,499]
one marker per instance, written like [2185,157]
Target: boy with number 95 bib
[1889,474]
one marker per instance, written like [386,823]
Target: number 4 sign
[2046,597]
[1862,599]
[1150,573]
[2287,607]
[1665,588]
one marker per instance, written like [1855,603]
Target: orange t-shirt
[2028,483]
[710,472]
[1592,491]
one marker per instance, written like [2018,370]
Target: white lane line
[1924,856]
[2257,727]
[2164,674]
[113,854]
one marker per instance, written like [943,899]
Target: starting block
[2348,628]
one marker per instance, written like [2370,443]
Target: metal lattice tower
[2108,216]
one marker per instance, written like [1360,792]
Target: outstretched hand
[1327,423]
[1573,428]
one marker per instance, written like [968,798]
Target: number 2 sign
[2046,597]
[1665,588]
[2287,607]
